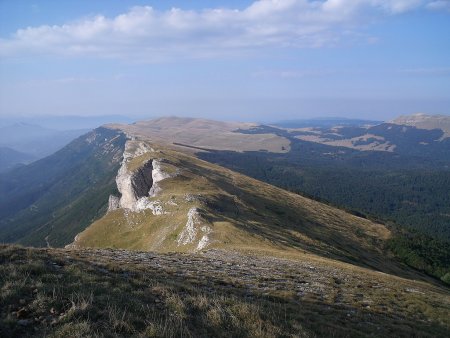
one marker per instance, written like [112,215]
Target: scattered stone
[23,322]
[257,276]
[411,290]
[21,313]
[113,203]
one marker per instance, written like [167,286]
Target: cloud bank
[146,34]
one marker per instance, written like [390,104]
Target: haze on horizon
[241,60]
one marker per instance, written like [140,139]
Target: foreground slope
[80,293]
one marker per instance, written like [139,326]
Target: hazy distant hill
[325,122]
[35,140]
[426,136]
[424,121]
[10,158]
[65,122]
[205,133]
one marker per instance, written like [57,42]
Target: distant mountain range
[36,140]
[325,122]
[407,139]
[27,142]
[424,121]
[23,142]
[65,122]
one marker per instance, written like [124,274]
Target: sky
[232,60]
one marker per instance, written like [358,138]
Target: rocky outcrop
[113,203]
[205,240]
[134,185]
[194,227]
[189,232]
[138,185]
[155,206]
[157,175]
[142,181]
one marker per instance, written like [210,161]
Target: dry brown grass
[206,134]
[87,293]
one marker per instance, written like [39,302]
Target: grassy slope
[59,196]
[205,133]
[62,293]
[244,214]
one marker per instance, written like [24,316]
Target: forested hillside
[49,201]
[407,192]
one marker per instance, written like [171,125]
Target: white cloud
[145,34]
[439,5]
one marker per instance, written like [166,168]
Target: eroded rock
[113,203]
[194,227]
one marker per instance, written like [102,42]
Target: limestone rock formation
[113,203]
[137,185]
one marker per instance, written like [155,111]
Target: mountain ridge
[426,121]
[195,212]
[178,202]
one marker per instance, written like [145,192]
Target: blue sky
[235,60]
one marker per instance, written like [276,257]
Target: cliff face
[173,216]
[135,186]
[142,180]
[158,175]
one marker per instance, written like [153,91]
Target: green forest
[403,191]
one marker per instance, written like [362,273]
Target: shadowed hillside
[49,201]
